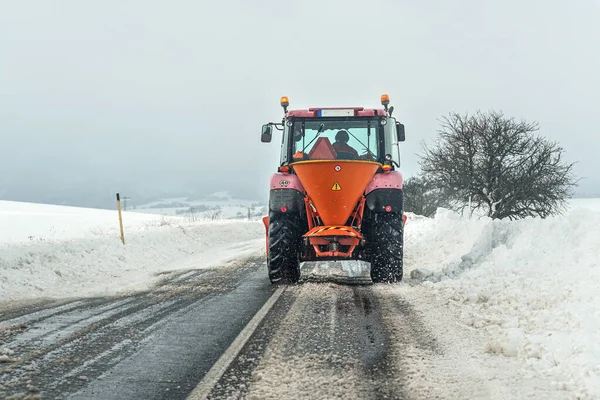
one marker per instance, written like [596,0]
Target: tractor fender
[286,181]
[379,199]
[386,180]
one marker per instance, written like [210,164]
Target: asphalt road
[322,340]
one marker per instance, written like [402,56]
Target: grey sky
[165,95]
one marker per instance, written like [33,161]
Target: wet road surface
[152,345]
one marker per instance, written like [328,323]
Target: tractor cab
[351,133]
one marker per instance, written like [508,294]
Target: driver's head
[342,136]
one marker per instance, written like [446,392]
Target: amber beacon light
[285,102]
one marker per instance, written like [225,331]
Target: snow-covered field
[587,204]
[31,222]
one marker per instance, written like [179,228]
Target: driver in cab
[341,145]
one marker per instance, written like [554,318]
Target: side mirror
[400,132]
[267,133]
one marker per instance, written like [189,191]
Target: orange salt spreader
[335,189]
[337,193]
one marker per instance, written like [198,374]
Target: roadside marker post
[120,218]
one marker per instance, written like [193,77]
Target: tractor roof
[337,112]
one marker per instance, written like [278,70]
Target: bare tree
[213,214]
[490,162]
[423,198]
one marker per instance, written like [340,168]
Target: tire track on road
[319,341]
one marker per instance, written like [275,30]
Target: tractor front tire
[386,248]
[285,238]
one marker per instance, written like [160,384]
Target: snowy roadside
[528,287]
[100,265]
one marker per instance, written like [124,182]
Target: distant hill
[216,205]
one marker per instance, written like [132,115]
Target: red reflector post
[283,209]
[388,208]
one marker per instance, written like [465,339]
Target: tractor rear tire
[386,247]
[285,238]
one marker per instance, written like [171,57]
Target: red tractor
[337,194]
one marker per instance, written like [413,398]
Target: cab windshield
[335,139]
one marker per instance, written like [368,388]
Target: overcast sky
[172,94]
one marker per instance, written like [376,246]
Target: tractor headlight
[383,121]
[388,157]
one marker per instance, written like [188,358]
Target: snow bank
[86,258]
[532,285]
